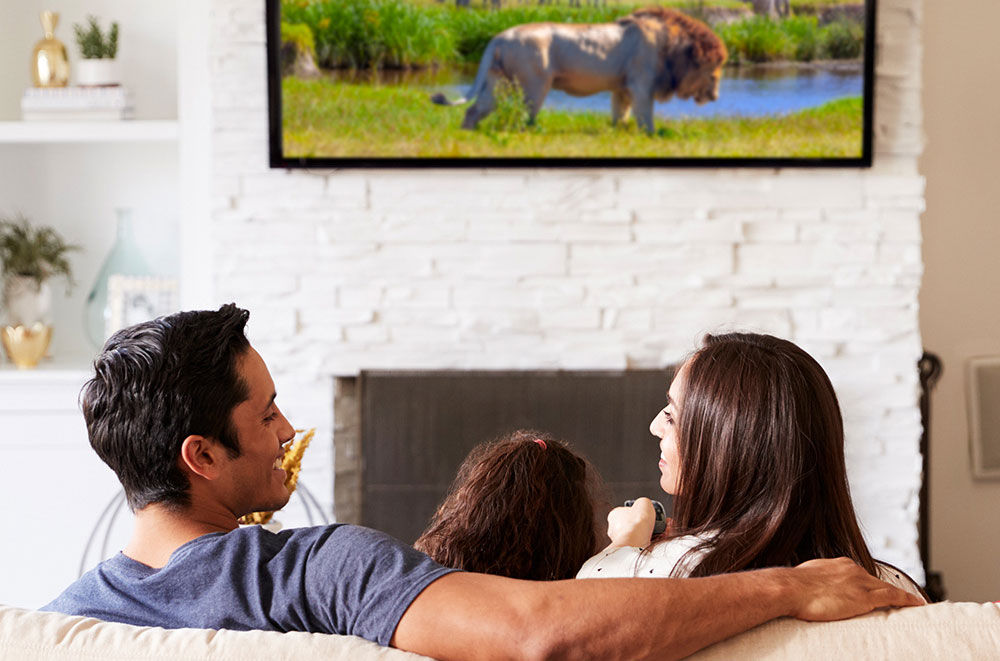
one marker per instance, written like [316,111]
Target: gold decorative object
[49,63]
[291,461]
[26,345]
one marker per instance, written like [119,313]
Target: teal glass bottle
[125,258]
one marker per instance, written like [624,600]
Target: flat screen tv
[577,83]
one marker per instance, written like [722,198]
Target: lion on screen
[651,54]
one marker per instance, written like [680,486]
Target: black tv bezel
[279,161]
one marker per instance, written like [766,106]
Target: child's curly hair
[521,507]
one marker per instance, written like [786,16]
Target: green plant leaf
[34,253]
[92,42]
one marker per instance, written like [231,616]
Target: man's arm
[475,616]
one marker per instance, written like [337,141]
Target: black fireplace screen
[417,427]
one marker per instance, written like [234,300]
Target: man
[183,410]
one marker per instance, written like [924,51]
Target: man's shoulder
[328,547]
[229,571]
[336,579]
[340,534]
[81,595]
[248,538]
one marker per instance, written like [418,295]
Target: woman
[752,448]
[521,507]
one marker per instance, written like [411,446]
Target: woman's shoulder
[654,561]
[897,577]
[673,557]
[614,562]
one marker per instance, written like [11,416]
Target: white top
[655,561]
[668,559]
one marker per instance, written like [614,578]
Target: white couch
[939,631]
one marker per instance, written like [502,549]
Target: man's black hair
[158,382]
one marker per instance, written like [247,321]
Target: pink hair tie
[542,443]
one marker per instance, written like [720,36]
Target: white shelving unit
[71,176]
[154,130]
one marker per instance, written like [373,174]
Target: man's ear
[201,455]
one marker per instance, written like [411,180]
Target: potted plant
[30,257]
[98,66]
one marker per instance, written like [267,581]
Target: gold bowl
[26,345]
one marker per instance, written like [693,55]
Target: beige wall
[960,299]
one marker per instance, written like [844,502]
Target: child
[521,507]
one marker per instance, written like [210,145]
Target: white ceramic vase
[26,302]
[95,72]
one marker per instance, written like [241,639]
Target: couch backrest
[939,631]
[35,636]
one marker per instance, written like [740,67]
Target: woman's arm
[476,616]
[895,576]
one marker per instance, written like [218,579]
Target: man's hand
[632,526]
[837,589]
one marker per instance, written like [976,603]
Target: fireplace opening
[401,436]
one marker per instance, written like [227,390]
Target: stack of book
[76,103]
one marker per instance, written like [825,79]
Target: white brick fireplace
[530,269]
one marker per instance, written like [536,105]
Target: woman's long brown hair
[518,508]
[761,444]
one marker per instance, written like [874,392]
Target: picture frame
[134,299]
[983,393]
[380,114]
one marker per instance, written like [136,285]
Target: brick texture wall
[346,270]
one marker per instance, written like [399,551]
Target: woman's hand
[632,526]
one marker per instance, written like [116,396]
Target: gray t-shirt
[334,579]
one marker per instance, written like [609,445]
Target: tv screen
[432,83]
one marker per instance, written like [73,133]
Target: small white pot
[92,73]
[26,302]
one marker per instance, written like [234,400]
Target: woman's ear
[200,455]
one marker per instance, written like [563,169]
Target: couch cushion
[32,635]
[938,631]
